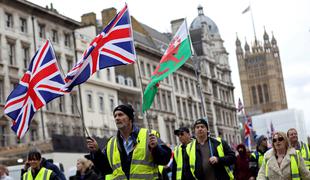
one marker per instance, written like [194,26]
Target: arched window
[266,92]
[260,94]
[254,96]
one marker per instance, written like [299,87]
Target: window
[33,134]
[9,20]
[73,99]
[169,102]
[98,74]
[142,68]
[164,100]
[108,74]
[3,136]
[62,104]
[260,94]
[158,100]
[129,81]
[1,91]
[179,107]
[254,96]
[111,99]
[266,93]
[186,85]
[69,63]
[184,110]
[120,79]
[101,104]
[193,87]
[175,82]
[89,100]
[49,106]
[181,84]
[26,56]
[42,30]
[148,67]
[23,25]
[67,40]
[11,53]
[55,36]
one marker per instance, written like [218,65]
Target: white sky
[289,21]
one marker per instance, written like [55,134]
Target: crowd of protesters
[139,153]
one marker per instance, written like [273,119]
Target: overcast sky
[288,20]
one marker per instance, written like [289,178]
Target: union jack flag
[112,47]
[247,130]
[240,105]
[40,84]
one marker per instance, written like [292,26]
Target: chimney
[107,15]
[175,24]
[89,19]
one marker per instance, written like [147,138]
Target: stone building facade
[178,102]
[261,76]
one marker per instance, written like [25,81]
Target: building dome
[198,21]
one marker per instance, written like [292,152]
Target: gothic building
[261,76]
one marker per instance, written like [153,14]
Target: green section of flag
[169,63]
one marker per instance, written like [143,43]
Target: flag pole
[35,49]
[146,120]
[81,113]
[252,18]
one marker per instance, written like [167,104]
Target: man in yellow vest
[257,156]
[209,158]
[302,147]
[134,153]
[35,170]
[180,171]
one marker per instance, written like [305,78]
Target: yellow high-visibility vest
[44,174]
[142,164]
[260,158]
[304,152]
[294,167]
[191,151]
[178,157]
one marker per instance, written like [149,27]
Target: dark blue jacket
[53,167]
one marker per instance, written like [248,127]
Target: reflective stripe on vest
[220,151]
[44,174]
[259,159]
[305,154]
[142,165]
[191,152]
[294,167]
[178,156]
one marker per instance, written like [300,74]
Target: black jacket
[89,175]
[48,165]
[219,168]
[161,155]
[186,172]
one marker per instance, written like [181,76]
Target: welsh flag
[175,56]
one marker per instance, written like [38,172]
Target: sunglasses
[280,139]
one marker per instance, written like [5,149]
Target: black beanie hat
[127,109]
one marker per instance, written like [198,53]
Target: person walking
[180,169]
[36,171]
[209,158]
[241,168]
[84,170]
[134,153]
[300,146]
[257,156]
[282,162]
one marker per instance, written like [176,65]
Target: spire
[200,10]
[266,36]
[273,40]
[238,43]
[246,46]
